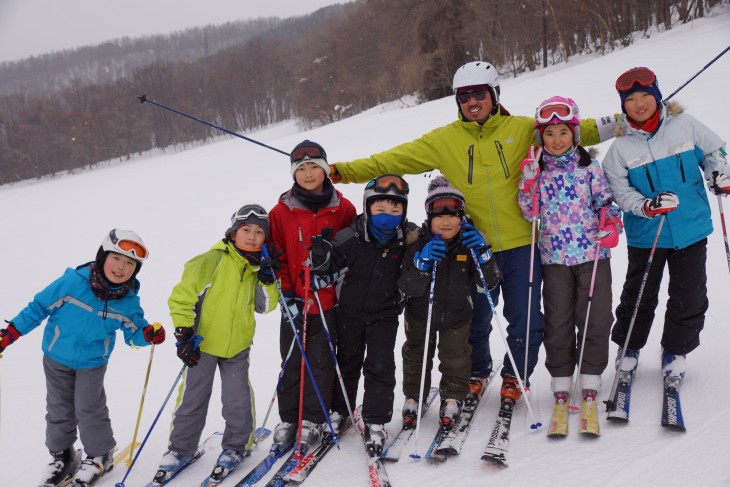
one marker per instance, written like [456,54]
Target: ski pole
[611,402]
[572,406]
[698,73]
[724,230]
[143,98]
[535,423]
[426,344]
[196,344]
[337,365]
[156,326]
[301,370]
[535,207]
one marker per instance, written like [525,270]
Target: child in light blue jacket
[85,307]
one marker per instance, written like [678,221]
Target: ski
[623,398]
[498,446]
[559,420]
[306,465]
[123,455]
[221,471]
[589,414]
[291,462]
[259,471]
[451,444]
[671,408]
[376,468]
[396,447]
[69,477]
[160,477]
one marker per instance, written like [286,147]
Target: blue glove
[472,239]
[433,251]
[484,255]
[295,309]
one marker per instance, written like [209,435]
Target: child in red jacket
[311,205]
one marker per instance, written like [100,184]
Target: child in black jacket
[442,251]
[367,257]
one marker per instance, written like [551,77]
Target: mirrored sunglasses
[478,95]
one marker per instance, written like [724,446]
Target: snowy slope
[181,205]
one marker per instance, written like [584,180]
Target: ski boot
[338,421]
[61,468]
[410,413]
[510,388]
[92,468]
[285,433]
[227,461]
[171,463]
[449,413]
[375,435]
[311,434]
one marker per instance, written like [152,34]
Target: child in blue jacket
[85,307]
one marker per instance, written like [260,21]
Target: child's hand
[8,336]
[530,167]
[472,239]
[334,174]
[433,251]
[269,265]
[154,333]
[609,229]
[320,252]
[187,346]
[661,203]
[719,183]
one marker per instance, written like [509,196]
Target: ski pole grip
[156,326]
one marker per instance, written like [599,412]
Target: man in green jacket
[480,154]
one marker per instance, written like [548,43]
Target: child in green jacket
[216,300]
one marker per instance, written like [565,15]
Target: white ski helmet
[478,73]
[125,242]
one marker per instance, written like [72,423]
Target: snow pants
[355,336]
[515,267]
[454,359]
[684,318]
[76,398]
[565,291]
[320,360]
[194,396]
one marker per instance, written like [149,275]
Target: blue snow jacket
[640,165]
[81,329]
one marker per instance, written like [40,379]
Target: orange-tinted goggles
[385,183]
[132,246]
[446,206]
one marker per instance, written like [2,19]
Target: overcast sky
[32,27]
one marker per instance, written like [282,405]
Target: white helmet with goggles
[125,242]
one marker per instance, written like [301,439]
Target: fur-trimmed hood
[671,109]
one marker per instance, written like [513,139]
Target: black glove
[320,252]
[269,265]
[8,336]
[295,308]
[187,346]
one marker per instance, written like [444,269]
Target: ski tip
[573,409]
[536,426]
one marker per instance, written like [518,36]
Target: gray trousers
[76,398]
[193,398]
[565,292]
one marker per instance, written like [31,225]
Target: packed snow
[181,204]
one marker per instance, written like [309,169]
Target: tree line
[317,68]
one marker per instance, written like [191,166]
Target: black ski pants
[687,304]
[355,337]
[320,359]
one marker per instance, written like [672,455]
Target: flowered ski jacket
[640,165]
[570,197]
[82,329]
[482,161]
[218,294]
